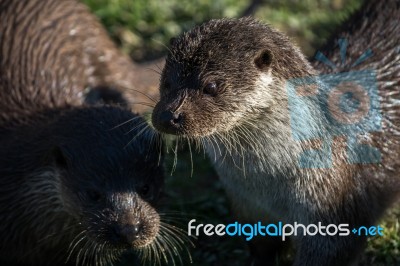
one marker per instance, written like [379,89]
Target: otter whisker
[109,255]
[175,150]
[176,238]
[80,254]
[158,251]
[247,135]
[239,150]
[166,250]
[137,135]
[144,103]
[124,123]
[75,245]
[242,151]
[203,143]
[166,47]
[172,235]
[86,253]
[96,251]
[145,94]
[148,253]
[136,127]
[209,141]
[172,229]
[191,157]
[92,255]
[160,148]
[216,143]
[229,145]
[156,71]
[159,68]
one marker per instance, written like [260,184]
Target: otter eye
[144,191]
[94,195]
[210,89]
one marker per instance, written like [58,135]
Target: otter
[77,189]
[80,173]
[61,45]
[263,114]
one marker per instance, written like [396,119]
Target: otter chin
[225,84]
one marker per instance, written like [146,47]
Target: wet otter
[61,45]
[226,85]
[78,183]
[76,188]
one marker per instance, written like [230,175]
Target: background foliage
[142,27]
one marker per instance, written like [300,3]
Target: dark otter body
[73,190]
[77,183]
[227,84]
[60,45]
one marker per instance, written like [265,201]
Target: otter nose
[128,233]
[170,119]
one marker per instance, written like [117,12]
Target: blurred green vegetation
[143,28]
[308,22]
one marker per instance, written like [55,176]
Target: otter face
[111,177]
[115,205]
[221,75]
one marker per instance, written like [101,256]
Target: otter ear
[263,60]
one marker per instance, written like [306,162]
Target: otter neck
[273,141]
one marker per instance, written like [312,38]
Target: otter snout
[128,233]
[167,120]
[170,119]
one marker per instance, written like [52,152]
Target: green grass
[309,23]
[143,28]
[385,250]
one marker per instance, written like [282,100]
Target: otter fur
[79,180]
[225,85]
[76,189]
[61,45]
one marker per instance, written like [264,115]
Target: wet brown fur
[60,45]
[243,123]
[75,179]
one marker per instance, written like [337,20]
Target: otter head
[111,176]
[222,74]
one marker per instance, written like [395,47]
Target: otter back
[60,45]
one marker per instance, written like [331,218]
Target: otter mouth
[109,240]
[114,240]
[129,232]
[107,248]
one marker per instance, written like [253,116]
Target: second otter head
[111,176]
[223,73]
